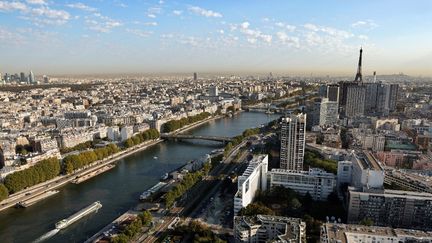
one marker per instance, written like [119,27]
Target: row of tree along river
[117,189]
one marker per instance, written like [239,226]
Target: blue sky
[279,36]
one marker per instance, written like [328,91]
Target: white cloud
[104,26]
[288,27]
[10,37]
[154,10]
[365,24]
[38,15]
[150,24]
[140,33]
[177,12]
[190,40]
[151,16]
[311,27]
[363,37]
[280,24]
[12,6]
[36,2]
[205,12]
[122,5]
[51,13]
[245,25]
[252,35]
[290,40]
[81,6]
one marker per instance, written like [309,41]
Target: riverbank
[62,180]
[119,188]
[59,181]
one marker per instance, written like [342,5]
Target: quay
[92,174]
[36,199]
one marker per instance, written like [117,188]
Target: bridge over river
[200,137]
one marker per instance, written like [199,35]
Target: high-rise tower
[31,78]
[293,142]
[359,77]
[328,112]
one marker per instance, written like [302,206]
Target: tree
[367,222]
[129,143]
[3,192]
[254,209]
[68,167]
[42,171]
[295,204]
[120,238]
[146,218]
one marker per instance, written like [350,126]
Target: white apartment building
[367,171]
[318,183]
[266,228]
[254,178]
[126,132]
[329,114]
[293,142]
[113,133]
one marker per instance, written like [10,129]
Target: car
[27,194]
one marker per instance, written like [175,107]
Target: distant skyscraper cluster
[357,98]
[22,78]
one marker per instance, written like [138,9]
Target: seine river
[118,189]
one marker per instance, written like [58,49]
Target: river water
[117,189]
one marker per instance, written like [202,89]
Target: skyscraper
[333,92]
[195,77]
[23,78]
[355,101]
[293,142]
[31,78]
[371,98]
[213,90]
[391,93]
[328,112]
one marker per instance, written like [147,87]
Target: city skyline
[295,38]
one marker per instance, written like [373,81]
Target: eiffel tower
[358,77]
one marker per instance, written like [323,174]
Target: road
[225,167]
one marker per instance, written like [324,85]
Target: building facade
[367,171]
[266,228]
[253,179]
[318,183]
[328,113]
[393,208]
[293,142]
[355,102]
[343,233]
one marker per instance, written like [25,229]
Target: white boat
[164,177]
[152,190]
[78,215]
[155,157]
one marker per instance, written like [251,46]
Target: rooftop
[368,161]
[340,232]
